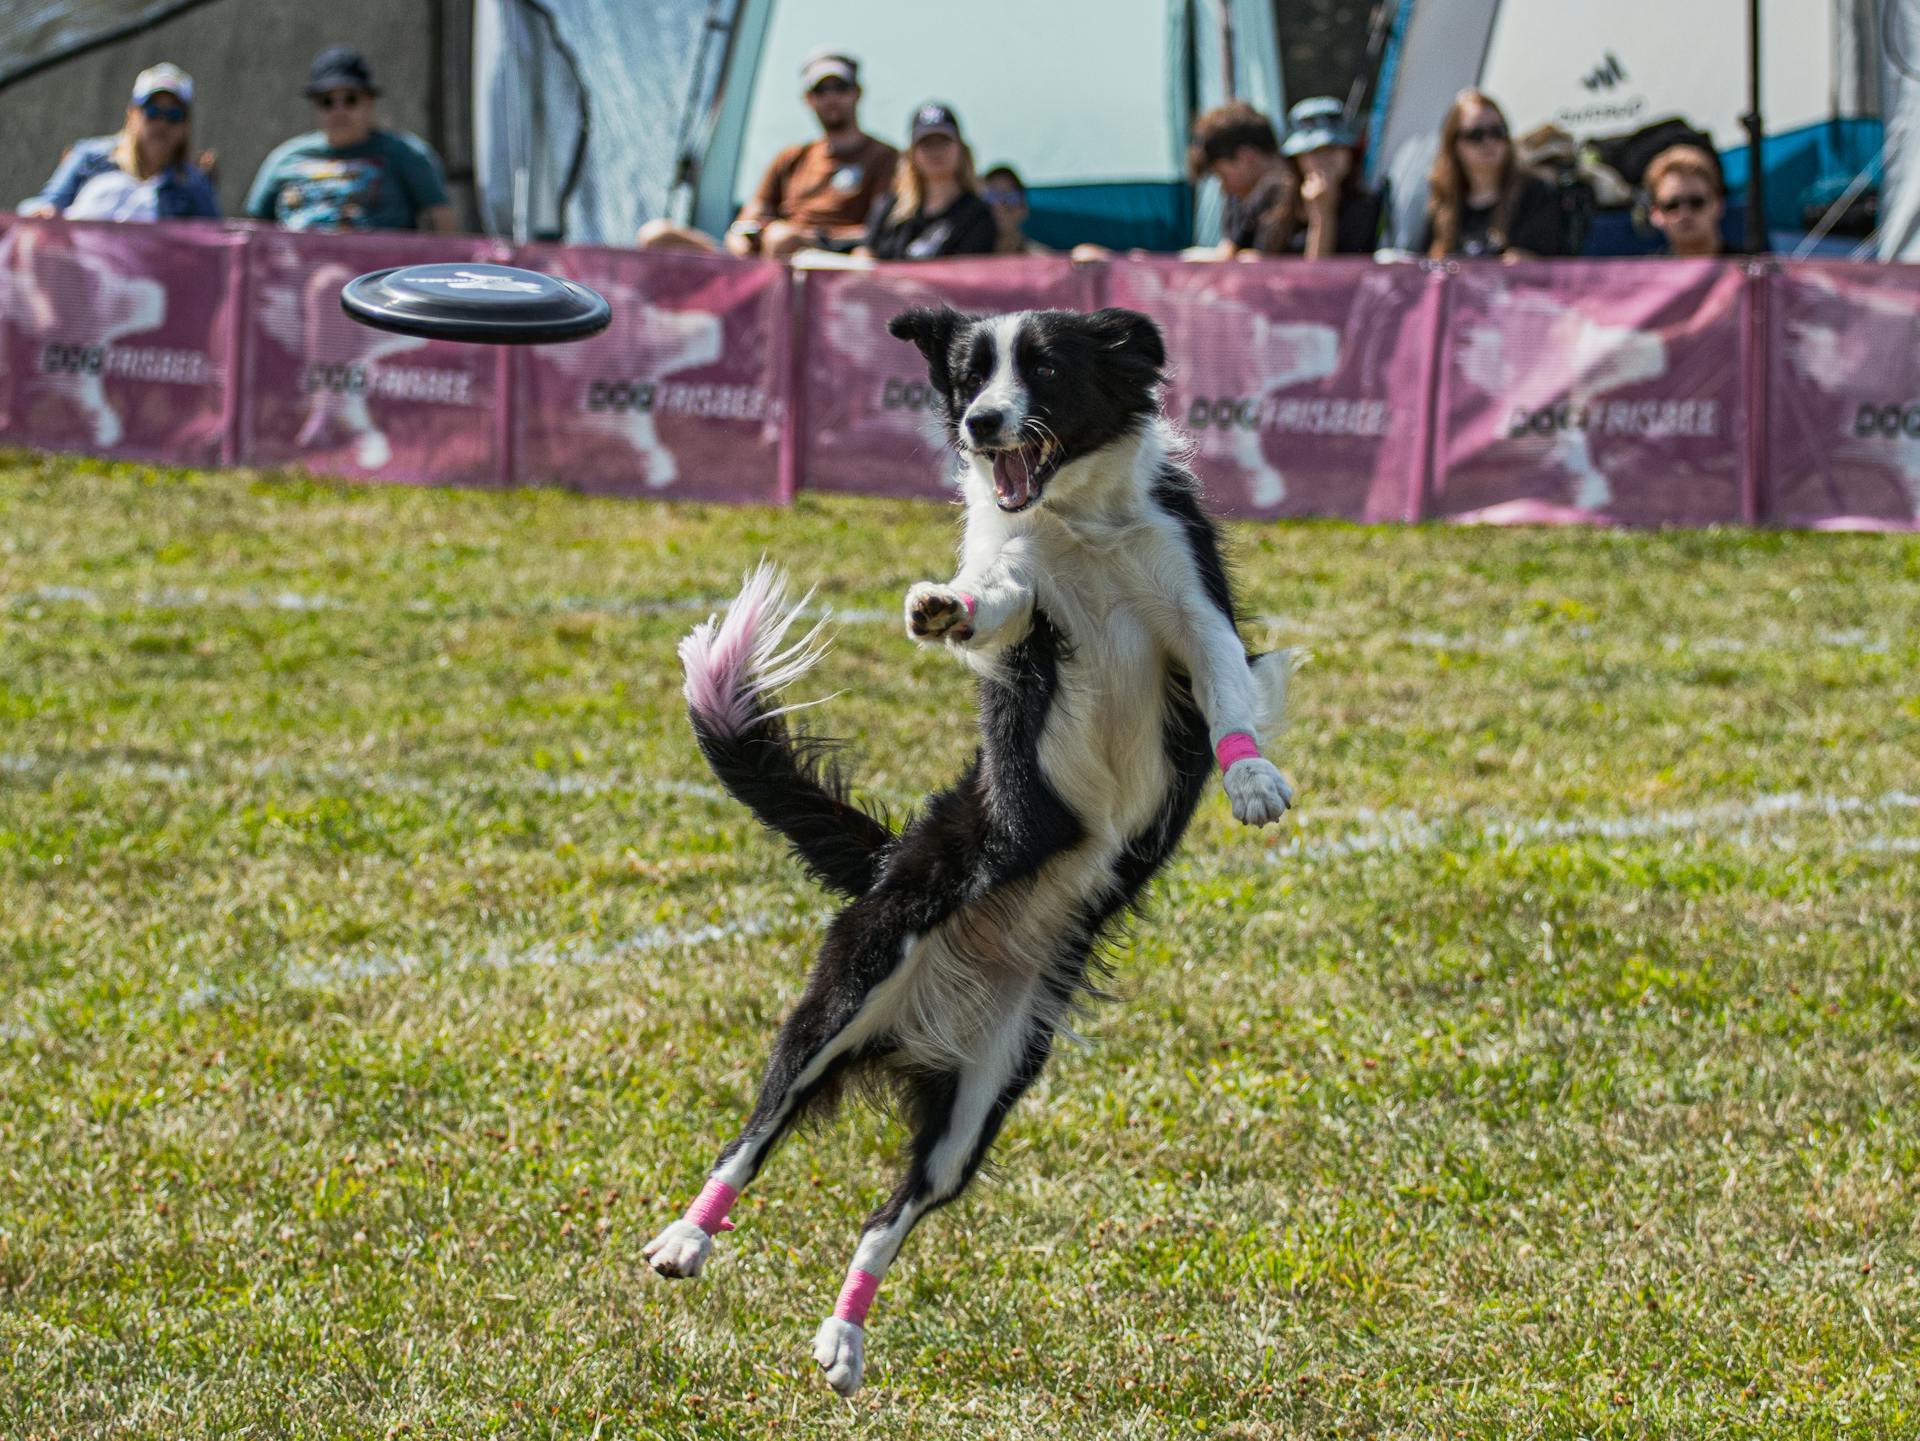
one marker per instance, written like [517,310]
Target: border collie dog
[1093,606]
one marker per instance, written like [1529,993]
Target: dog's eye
[1043,372]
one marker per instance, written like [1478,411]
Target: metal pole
[1756,159]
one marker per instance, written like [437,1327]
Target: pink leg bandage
[1238,746]
[710,1207]
[856,1296]
[970,603]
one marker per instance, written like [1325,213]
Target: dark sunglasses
[154,110]
[339,100]
[1483,132]
[831,87]
[1690,203]
[1004,195]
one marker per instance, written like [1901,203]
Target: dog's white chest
[1103,747]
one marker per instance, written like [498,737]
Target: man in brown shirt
[818,194]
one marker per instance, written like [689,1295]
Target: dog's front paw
[1260,794]
[841,1349]
[937,612]
[680,1250]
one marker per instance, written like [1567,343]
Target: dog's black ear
[931,328]
[1132,333]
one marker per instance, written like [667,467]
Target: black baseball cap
[340,67]
[933,118]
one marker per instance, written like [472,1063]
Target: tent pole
[1756,167]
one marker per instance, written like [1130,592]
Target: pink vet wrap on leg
[1236,747]
[970,603]
[710,1207]
[856,1296]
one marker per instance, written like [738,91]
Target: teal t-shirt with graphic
[383,183]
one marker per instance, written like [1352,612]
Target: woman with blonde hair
[1480,202]
[936,207]
[141,173]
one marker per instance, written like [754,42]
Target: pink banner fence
[1623,392]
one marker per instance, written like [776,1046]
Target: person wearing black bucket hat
[1341,214]
[350,174]
[936,207]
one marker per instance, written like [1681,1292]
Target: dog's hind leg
[957,1114]
[847,1004]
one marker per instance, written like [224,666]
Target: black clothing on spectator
[1356,231]
[1533,226]
[1260,221]
[964,228]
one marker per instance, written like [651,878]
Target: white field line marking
[1404,831]
[557,783]
[1512,638]
[339,970]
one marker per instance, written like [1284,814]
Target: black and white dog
[1094,607]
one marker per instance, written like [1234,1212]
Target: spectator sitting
[1479,201]
[935,208]
[1236,145]
[143,172]
[1686,201]
[350,174]
[1337,213]
[1006,196]
[819,193]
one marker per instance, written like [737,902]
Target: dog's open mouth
[1019,471]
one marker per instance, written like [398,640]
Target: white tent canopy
[1605,70]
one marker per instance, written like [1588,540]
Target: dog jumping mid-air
[1093,605]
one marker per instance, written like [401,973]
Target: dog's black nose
[984,425]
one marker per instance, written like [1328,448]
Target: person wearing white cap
[141,173]
[817,194]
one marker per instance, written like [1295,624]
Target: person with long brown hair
[936,207]
[141,173]
[1480,202]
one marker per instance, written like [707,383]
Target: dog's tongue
[1013,478]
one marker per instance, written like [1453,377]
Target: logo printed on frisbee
[474,280]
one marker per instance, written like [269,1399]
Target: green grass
[377,974]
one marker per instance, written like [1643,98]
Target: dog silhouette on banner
[71,297]
[653,344]
[304,318]
[1269,356]
[1535,353]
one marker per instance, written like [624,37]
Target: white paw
[936,612]
[1260,794]
[841,1349]
[680,1250]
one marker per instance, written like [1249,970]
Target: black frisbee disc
[491,304]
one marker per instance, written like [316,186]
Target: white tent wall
[636,73]
[1900,185]
[1088,99]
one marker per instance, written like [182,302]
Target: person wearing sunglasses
[1480,201]
[1006,196]
[1686,201]
[141,173]
[815,195]
[350,173]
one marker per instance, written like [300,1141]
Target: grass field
[379,969]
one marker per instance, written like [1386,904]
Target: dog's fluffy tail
[734,666]
[1271,673]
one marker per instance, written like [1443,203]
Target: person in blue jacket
[142,173]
